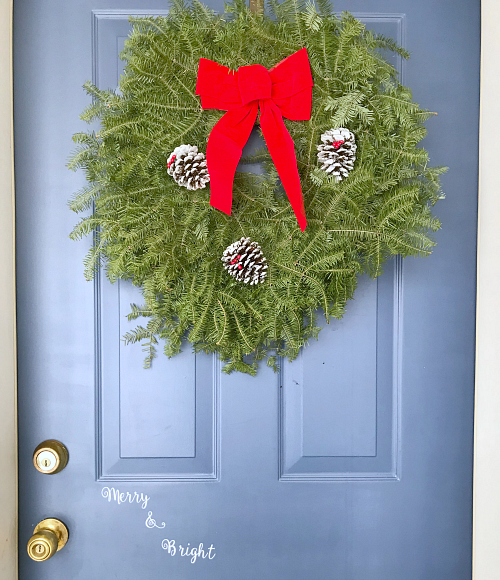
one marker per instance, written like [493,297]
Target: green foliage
[169,241]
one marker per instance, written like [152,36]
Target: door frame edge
[486,514]
[486,506]
[8,387]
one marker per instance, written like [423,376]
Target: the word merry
[189,552]
[112,494]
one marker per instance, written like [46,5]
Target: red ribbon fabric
[283,91]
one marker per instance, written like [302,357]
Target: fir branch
[169,241]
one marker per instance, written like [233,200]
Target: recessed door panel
[340,402]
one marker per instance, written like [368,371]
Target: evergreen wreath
[169,241]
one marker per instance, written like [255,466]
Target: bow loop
[284,90]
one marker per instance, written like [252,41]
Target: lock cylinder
[50,457]
[49,537]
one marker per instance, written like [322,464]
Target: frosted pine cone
[244,260]
[337,153]
[188,167]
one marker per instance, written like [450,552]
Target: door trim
[486,524]
[8,395]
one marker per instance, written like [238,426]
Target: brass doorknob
[48,538]
[50,457]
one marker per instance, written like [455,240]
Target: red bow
[283,91]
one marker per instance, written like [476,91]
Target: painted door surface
[353,463]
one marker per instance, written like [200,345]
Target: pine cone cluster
[337,153]
[188,167]
[245,261]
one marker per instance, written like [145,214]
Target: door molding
[486,524]
[8,410]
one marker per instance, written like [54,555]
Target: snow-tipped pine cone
[337,153]
[244,260]
[188,167]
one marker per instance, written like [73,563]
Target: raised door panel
[154,425]
[340,401]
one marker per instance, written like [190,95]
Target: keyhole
[39,548]
[46,462]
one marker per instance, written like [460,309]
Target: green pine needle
[169,241]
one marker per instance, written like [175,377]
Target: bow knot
[254,83]
[283,91]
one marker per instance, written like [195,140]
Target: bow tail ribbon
[283,91]
[225,146]
[224,149]
[282,151]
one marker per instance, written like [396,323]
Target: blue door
[353,463]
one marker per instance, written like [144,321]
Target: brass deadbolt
[49,537]
[50,457]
